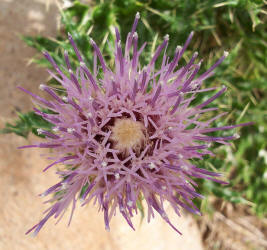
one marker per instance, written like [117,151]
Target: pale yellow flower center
[127,134]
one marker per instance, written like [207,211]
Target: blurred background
[234,215]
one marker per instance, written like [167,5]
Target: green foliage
[232,25]
[28,122]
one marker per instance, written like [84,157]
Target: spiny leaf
[26,123]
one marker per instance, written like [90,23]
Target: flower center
[127,134]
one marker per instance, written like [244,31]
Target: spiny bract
[127,137]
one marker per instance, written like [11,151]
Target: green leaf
[26,123]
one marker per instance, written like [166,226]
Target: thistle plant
[128,135]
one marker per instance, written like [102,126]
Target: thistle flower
[128,135]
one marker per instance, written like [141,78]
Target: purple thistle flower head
[128,136]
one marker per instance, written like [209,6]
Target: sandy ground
[21,177]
